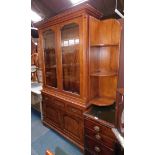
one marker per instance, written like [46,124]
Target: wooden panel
[94,57]
[73,126]
[114,58]
[74,111]
[121,58]
[59,104]
[94,31]
[105,32]
[94,87]
[107,87]
[53,114]
[116,32]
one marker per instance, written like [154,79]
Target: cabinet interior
[103,74]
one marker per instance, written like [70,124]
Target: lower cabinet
[64,118]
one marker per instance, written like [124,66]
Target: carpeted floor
[43,138]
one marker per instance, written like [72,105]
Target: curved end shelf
[103,45]
[102,101]
[104,73]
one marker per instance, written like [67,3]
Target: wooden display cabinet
[63,44]
[80,63]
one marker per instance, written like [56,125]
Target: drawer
[100,138]
[74,110]
[59,104]
[98,128]
[47,98]
[97,148]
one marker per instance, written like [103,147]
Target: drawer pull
[97,149]
[98,137]
[97,128]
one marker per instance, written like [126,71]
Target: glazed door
[70,56]
[49,57]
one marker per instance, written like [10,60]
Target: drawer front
[106,141]
[74,110]
[97,148]
[46,98]
[59,104]
[98,128]
[53,102]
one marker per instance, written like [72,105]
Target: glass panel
[50,58]
[70,58]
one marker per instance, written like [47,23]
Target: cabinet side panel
[94,31]
[107,87]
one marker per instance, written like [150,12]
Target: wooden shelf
[102,101]
[70,65]
[69,46]
[104,73]
[103,45]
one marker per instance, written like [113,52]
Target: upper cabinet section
[70,50]
[49,53]
[64,48]
[104,33]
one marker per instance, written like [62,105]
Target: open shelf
[103,45]
[104,73]
[71,65]
[102,101]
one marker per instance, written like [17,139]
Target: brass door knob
[98,137]
[97,128]
[97,149]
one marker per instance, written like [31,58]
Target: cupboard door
[50,65]
[73,126]
[70,50]
[53,115]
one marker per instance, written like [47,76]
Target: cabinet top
[70,13]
